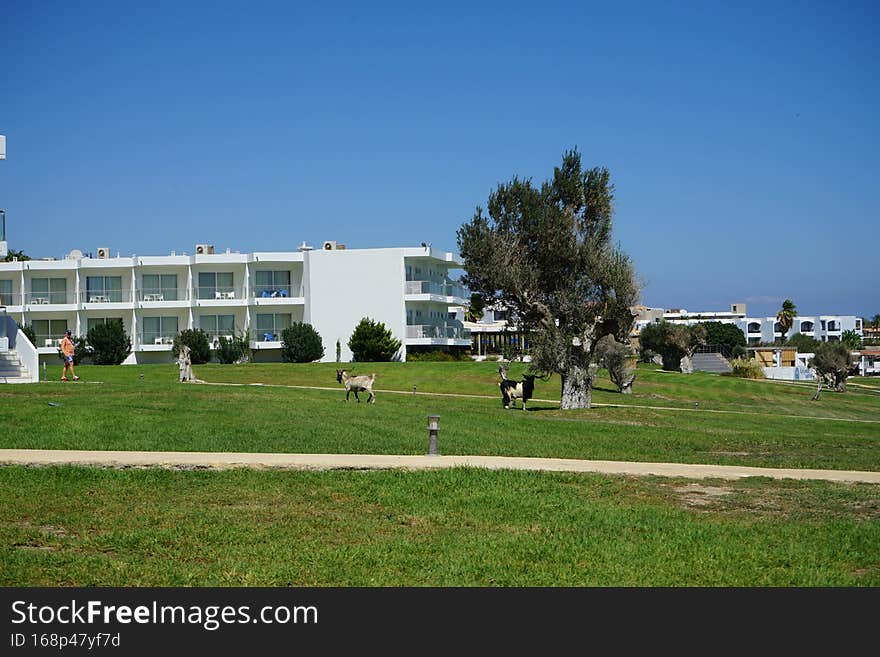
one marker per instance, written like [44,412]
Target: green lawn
[459,527]
[125,411]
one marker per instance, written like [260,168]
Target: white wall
[348,285]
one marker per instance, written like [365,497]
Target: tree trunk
[577,387]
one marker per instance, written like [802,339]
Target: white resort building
[332,288]
[824,328]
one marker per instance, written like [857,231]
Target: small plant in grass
[745,368]
[198,343]
[301,343]
[109,343]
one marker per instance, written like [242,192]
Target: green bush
[301,343]
[728,336]
[745,368]
[371,341]
[803,343]
[198,343]
[109,343]
[81,350]
[438,355]
[236,350]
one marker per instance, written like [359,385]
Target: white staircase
[12,370]
[711,362]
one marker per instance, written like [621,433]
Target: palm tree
[785,317]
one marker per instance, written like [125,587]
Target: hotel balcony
[430,334]
[433,291]
[220,296]
[151,341]
[50,301]
[111,299]
[278,295]
[156,298]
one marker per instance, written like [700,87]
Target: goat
[511,390]
[356,384]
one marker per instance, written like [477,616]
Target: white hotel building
[824,328]
[332,288]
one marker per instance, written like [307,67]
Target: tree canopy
[545,253]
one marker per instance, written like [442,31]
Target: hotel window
[217,325]
[49,290]
[104,288]
[159,330]
[5,293]
[48,331]
[162,287]
[272,284]
[213,283]
[268,327]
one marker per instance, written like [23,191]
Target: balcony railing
[163,294]
[49,298]
[10,299]
[107,296]
[153,338]
[47,341]
[436,331]
[431,287]
[219,292]
[276,291]
[267,335]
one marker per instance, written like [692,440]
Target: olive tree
[546,254]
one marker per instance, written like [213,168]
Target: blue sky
[742,138]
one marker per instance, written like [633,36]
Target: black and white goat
[356,384]
[513,390]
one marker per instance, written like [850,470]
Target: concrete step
[711,362]
[15,379]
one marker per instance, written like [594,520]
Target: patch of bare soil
[700,495]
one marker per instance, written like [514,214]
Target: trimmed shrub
[236,350]
[301,343]
[109,343]
[745,368]
[198,343]
[372,341]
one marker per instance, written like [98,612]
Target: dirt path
[225,460]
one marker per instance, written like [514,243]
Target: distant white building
[332,288]
[824,328]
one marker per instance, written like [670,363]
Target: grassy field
[700,418]
[460,527]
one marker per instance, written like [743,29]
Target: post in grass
[433,430]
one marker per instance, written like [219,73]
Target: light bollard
[433,430]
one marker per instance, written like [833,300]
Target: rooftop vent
[204,249]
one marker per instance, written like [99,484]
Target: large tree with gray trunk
[546,254]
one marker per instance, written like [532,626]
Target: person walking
[67,349]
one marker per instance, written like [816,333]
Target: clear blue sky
[742,137]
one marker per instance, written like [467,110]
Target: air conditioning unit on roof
[103,252]
[329,245]
[203,249]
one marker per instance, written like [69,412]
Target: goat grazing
[511,390]
[356,384]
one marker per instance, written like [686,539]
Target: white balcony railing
[152,338]
[164,294]
[277,291]
[49,298]
[107,296]
[432,287]
[219,293]
[416,331]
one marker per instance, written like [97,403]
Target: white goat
[356,384]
